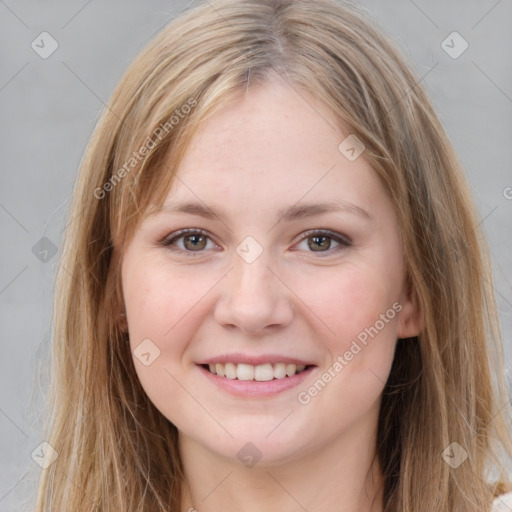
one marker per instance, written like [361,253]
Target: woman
[275,292]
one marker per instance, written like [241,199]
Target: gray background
[49,107]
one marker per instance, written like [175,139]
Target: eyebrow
[289,214]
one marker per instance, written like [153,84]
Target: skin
[269,150]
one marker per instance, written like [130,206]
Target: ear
[410,320]
[122,322]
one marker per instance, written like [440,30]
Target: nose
[253,299]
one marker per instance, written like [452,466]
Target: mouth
[259,373]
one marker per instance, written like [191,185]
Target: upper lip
[254,360]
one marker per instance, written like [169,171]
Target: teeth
[260,373]
[230,370]
[263,372]
[290,369]
[245,371]
[280,370]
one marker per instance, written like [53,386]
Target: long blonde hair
[116,450]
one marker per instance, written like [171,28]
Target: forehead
[274,145]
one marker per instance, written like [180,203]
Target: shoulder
[503,503]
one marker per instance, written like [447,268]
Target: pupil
[322,240]
[196,241]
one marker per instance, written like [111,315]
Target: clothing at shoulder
[503,503]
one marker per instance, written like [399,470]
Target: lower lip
[254,388]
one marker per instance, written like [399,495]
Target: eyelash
[170,240]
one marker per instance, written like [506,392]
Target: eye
[188,240]
[194,240]
[321,241]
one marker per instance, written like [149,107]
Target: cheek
[359,303]
[150,304]
[165,306]
[159,302]
[351,300]
[161,321]
[361,307]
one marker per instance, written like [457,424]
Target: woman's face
[289,282]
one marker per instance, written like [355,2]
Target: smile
[261,373]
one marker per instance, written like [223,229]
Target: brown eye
[322,242]
[194,242]
[319,243]
[188,241]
